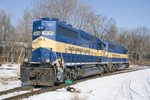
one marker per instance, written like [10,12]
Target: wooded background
[13,37]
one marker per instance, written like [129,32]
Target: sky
[16,7]
[127,13]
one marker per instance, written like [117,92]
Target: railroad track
[16,89]
[42,90]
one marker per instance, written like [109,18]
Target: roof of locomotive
[69,26]
[62,23]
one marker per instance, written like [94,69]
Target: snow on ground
[9,77]
[126,86]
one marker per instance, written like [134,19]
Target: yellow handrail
[20,55]
[19,60]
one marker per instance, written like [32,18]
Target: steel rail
[16,89]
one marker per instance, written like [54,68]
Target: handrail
[19,60]
[20,55]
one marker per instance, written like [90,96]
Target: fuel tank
[90,71]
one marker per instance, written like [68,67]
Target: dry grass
[9,79]
[143,62]
[10,65]
[4,81]
[0,63]
[1,68]
[77,97]
[135,63]
[146,61]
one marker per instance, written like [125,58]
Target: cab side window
[125,51]
[99,45]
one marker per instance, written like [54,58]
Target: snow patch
[126,86]
[9,76]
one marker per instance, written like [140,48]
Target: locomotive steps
[53,88]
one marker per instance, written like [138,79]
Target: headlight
[47,60]
[26,60]
[36,33]
[41,27]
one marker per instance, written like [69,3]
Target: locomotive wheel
[101,70]
[106,69]
[72,74]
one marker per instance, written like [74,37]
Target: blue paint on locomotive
[48,25]
[42,54]
[81,38]
[111,47]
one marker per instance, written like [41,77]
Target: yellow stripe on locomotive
[69,48]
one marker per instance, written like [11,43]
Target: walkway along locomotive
[60,52]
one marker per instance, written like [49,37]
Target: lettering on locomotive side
[115,56]
[38,40]
[78,49]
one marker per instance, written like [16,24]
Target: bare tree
[61,9]
[112,33]
[136,41]
[143,41]
[7,32]
[24,28]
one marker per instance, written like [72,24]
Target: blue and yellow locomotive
[60,52]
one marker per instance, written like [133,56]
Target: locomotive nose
[38,76]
